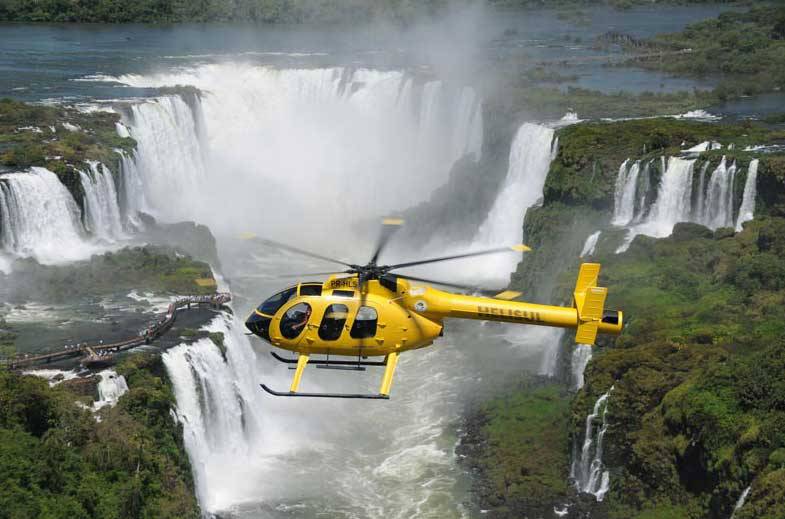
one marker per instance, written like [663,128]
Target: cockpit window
[333,321]
[294,320]
[275,302]
[364,324]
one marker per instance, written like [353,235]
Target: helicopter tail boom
[587,315]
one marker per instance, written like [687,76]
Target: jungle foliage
[58,461]
[518,444]
[745,49]
[697,410]
[37,135]
[269,11]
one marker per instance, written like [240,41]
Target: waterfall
[531,153]
[713,205]
[295,135]
[168,158]
[747,209]
[467,138]
[644,185]
[718,210]
[674,198]
[221,408]
[588,470]
[700,204]
[626,188]
[102,212]
[39,218]
[590,244]
[741,501]
[673,203]
[110,388]
[133,199]
[581,356]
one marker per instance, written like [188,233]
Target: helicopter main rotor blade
[389,226]
[514,248]
[456,286]
[289,248]
[311,274]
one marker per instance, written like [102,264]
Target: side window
[365,323]
[294,320]
[333,321]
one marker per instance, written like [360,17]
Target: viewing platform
[100,353]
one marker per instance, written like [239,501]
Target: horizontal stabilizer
[507,295]
[587,333]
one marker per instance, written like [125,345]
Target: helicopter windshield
[272,304]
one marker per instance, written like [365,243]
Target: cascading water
[590,244]
[110,388]
[626,185]
[531,153]
[168,158]
[672,205]
[581,356]
[296,135]
[740,503]
[133,199]
[39,218]
[718,210]
[102,212]
[588,470]
[712,205]
[747,209]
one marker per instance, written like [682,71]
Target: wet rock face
[193,239]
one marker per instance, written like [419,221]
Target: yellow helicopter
[368,311]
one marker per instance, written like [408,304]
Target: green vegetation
[579,189]
[525,98]
[271,11]
[518,444]
[159,270]
[747,50]
[35,135]
[7,340]
[697,411]
[57,461]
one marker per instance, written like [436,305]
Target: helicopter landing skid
[389,363]
[320,363]
[325,395]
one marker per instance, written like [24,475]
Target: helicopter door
[295,321]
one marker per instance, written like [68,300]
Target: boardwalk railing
[145,336]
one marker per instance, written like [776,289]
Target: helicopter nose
[258,325]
